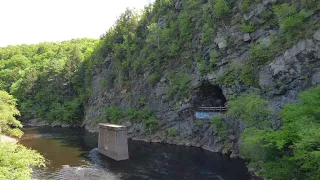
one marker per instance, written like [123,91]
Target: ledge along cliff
[181,55]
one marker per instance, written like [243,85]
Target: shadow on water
[77,149]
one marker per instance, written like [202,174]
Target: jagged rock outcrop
[279,80]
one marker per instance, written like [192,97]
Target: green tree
[43,75]
[8,123]
[15,161]
[289,152]
[250,108]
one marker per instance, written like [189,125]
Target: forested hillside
[47,78]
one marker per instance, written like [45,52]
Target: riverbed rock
[4,138]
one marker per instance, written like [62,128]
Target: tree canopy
[47,78]
[291,152]
[8,123]
[15,159]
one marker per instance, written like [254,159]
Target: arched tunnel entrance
[208,100]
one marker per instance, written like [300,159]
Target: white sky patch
[34,21]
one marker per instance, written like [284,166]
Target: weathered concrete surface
[113,141]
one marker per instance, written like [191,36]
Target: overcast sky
[34,21]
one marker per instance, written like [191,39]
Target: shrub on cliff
[221,9]
[290,20]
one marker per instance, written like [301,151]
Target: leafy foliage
[289,152]
[118,116]
[8,123]
[289,19]
[230,76]
[221,9]
[220,127]
[47,78]
[154,78]
[248,28]
[251,108]
[179,88]
[172,132]
[247,5]
[15,161]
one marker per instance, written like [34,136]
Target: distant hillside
[47,78]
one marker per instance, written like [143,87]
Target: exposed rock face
[294,71]
[280,80]
[39,123]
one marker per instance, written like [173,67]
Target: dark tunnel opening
[208,95]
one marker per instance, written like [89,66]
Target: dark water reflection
[77,149]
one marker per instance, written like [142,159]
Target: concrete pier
[113,141]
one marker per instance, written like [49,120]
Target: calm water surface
[72,154]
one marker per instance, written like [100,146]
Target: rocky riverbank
[4,138]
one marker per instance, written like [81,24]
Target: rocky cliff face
[289,71]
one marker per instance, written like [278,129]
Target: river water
[72,155]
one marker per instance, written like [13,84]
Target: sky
[34,21]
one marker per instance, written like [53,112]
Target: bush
[154,78]
[231,75]
[221,9]
[207,33]
[199,124]
[289,152]
[250,108]
[220,127]
[248,28]
[248,76]
[150,124]
[202,66]
[289,19]
[213,59]
[113,114]
[247,5]
[171,132]
[259,54]
[142,101]
[310,4]
[179,88]
[118,116]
